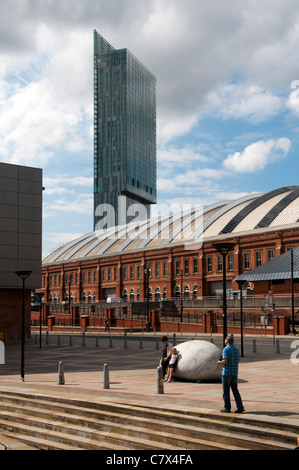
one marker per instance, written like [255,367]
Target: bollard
[71,340]
[157,343]
[58,340]
[141,343]
[174,339]
[211,340]
[97,342]
[61,374]
[106,384]
[254,345]
[160,385]
[110,342]
[125,341]
[277,346]
[83,338]
[47,337]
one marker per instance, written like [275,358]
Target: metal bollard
[71,340]
[106,384]
[277,346]
[125,341]
[83,338]
[141,343]
[110,342]
[157,343]
[97,341]
[160,385]
[174,339]
[61,380]
[254,345]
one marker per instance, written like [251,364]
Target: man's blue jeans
[231,382]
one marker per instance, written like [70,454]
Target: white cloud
[256,156]
[249,102]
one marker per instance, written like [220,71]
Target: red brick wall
[11,312]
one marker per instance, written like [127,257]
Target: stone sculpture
[198,361]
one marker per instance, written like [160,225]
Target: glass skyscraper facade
[124,135]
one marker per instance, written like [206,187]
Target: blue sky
[228,106]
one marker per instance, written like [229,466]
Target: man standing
[166,354]
[230,361]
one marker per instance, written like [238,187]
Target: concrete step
[9,442]
[139,427]
[133,437]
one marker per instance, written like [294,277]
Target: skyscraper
[124,136]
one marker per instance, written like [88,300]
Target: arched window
[157,294]
[194,294]
[186,292]
[177,292]
[132,295]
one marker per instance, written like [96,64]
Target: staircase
[36,421]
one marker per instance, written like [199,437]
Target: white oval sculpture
[198,361]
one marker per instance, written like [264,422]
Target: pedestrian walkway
[268,373]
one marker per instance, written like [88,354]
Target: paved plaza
[268,373]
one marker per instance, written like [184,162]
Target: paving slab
[268,378]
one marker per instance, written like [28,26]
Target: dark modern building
[20,243]
[124,136]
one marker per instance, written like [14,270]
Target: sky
[227,97]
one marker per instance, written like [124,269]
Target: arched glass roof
[251,213]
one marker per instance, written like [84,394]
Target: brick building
[175,253]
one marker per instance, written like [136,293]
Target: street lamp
[40,296]
[241,284]
[23,276]
[181,295]
[223,249]
[292,292]
[146,275]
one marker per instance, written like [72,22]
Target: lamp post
[40,296]
[181,295]
[292,292]
[146,275]
[241,285]
[23,276]
[223,249]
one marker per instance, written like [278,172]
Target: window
[177,267]
[109,274]
[246,260]
[230,262]
[89,277]
[186,266]
[115,274]
[94,276]
[132,274]
[165,271]
[157,269]
[125,273]
[138,272]
[219,263]
[270,255]
[258,258]
[209,264]
[195,265]
[103,275]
